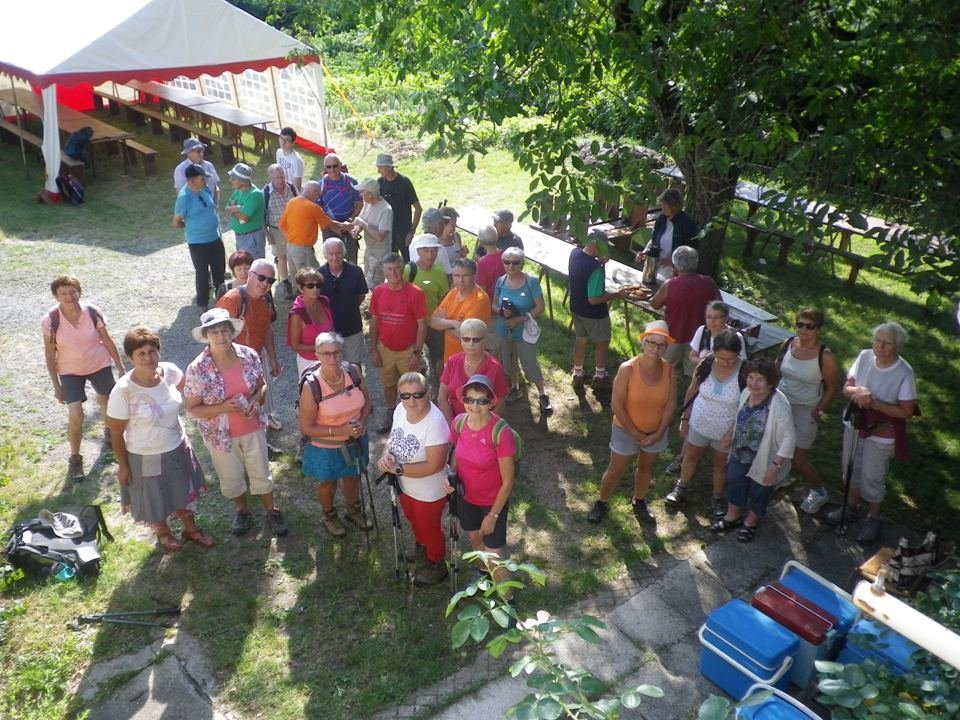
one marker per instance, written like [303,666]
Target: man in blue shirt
[196,212]
[340,201]
[346,287]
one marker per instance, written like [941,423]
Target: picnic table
[552,255]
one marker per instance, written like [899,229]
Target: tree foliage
[854,100]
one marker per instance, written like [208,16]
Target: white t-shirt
[408,443]
[292,165]
[888,385]
[153,412]
[180,175]
[714,412]
[698,336]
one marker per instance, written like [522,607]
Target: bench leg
[785,244]
[156,125]
[750,242]
[149,165]
[97,102]
[227,153]
[854,272]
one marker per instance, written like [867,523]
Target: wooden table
[169,93]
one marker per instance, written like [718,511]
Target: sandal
[168,542]
[199,537]
[722,525]
[746,533]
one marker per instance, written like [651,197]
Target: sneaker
[75,470]
[719,506]
[430,574]
[287,289]
[815,499]
[598,512]
[514,395]
[676,496]
[545,407]
[242,522]
[355,515]
[870,531]
[274,422]
[642,513]
[273,452]
[601,382]
[853,514]
[674,467]
[331,521]
[578,382]
[278,528]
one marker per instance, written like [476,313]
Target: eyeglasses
[265,278]
[476,401]
[416,396]
[654,344]
[471,339]
[806,326]
[330,353]
[335,165]
[513,262]
[310,286]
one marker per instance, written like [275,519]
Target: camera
[507,306]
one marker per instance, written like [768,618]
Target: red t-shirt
[398,312]
[454,376]
[478,460]
[489,270]
[687,296]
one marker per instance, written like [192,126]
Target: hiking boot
[242,522]
[676,497]
[75,466]
[287,289]
[545,407]
[598,512]
[514,395]
[674,467]
[355,515]
[331,521]
[278,528]
[578,382]
[815,499]
[870,530]
[642,513]
[430,574]
[853,514]
[719,506]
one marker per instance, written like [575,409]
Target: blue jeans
[743,491]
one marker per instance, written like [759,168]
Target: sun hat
[216,316]
[480,379]
[504,216]
[242,172]
[427,240]
[192,144]
[195,170]
[384,160]
[368,185]
[432,216]
[63,524]
[531,330]
[657,327]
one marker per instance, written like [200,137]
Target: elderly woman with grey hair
[490,262]
[376,222]
[460,367]
[517,298]
[882,390]
[673,229]
[435,222]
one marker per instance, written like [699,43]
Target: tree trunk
[708,196]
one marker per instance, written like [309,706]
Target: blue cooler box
[742,646]
[824,593]
[779,706]
[896,654]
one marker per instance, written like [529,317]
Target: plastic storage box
[779,706]
[820,591]
[812,624]
[895,653]
[742,646]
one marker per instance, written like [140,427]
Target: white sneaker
[814,500]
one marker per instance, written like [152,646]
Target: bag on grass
[59,544]
[71,188]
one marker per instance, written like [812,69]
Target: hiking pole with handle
[399,549]
[361,473]
[848,478]
[453,532]
[122,618]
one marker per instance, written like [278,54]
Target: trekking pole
[121,617]
[399,550]
[365,475]
[842,527]
[453,531]
[356,447]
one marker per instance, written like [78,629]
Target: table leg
[549,296]
[626,323]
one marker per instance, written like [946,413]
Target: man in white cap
[399,192]
[245,208]
[193,150]
[429,277]
[376,222]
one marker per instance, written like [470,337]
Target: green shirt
[596,285]
[433,282]
[251,205]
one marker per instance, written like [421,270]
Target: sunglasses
[513,262]
[265,278]
[416,396]
[332,166]
[310,286]
[471,339]
[476,401]
[330,353]
[806,326]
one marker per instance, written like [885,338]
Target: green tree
[856,97]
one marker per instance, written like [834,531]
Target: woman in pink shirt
[310,315]
[474,360]
[78,348]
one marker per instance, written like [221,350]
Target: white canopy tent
[96,41]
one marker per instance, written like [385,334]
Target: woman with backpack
[310,315]
[334,408]
[808,379]
[708,415]
[474,360]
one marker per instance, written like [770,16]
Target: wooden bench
[753,231]
[132,148]
[812,247]
[12,131]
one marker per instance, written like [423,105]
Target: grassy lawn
[307,627]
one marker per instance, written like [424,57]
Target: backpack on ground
[34,546]
[71,188]
[309,378]
[54,316]
[498,429]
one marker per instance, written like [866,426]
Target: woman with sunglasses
[474,360]
[517,297]
[416,452]
[643,401]
[484,462]
[808,379]
[309,316]
[334,407]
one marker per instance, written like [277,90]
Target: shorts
[622,443]
[471,516]
[870,465]
[395,363]
[248,453]
[73,387]
[804,426]
[679,353]
[330,464]
[278,241]
[596,330]
[353,348]
[254,243]
[698,440]
[301,256]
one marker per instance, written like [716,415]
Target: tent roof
[99,40]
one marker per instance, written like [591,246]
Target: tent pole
[16,110]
